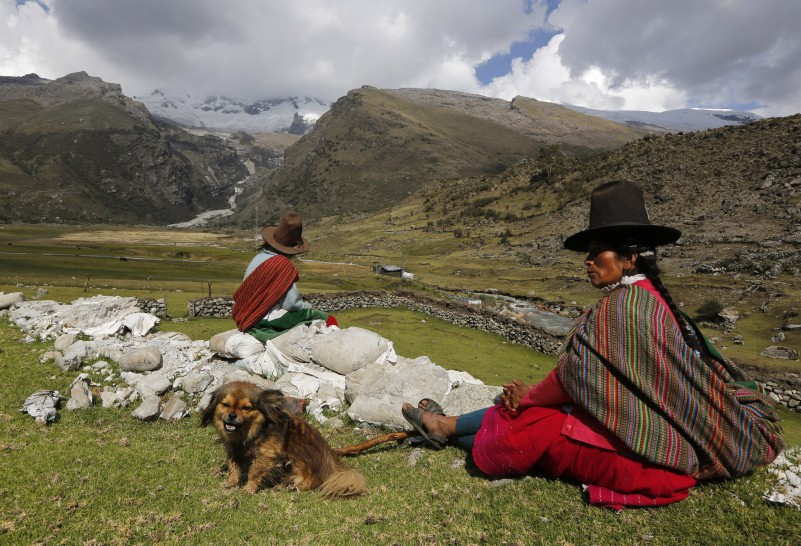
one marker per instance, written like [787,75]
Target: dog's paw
[251,488]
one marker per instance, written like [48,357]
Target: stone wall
[154,307]
[784,394]
[782,391]
[219,307]
[456,313]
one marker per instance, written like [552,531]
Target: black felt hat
[618,213]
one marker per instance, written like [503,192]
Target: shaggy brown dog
[268,445]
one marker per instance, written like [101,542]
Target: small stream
[547,321]
[203,217]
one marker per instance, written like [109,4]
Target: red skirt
[539,438]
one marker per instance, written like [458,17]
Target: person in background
[268,302]
[640,407]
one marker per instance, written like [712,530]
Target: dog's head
[241,410]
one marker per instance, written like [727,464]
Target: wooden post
[86,284]
[209,288]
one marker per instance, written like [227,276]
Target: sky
[650,55]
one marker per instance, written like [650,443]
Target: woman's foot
[429,405]
[433,427]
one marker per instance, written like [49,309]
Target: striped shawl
[261,290]
[626,363]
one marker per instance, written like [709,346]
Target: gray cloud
[718,52]
[645,54]
[310,47]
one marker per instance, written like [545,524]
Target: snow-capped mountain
[294,115]
[684,119]
[297,115]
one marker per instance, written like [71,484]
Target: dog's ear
[271,403]
[208,413]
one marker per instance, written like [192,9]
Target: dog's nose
[232,416]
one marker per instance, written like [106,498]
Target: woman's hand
[513,393]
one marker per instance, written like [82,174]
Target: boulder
[7,300]
[729,316]
[142,359]
[63,341]
[175,408]
[68,365]
[110,398]
[345,351]
[149,409]
[778,352]
[470,397]
[377,391]
[80,395]
[77,351]
[195,381]
[153,384]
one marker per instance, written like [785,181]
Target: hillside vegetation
[734,192]
[374,148]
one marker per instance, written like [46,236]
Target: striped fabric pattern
[261,290]
[627,364]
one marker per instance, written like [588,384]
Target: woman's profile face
[604,266]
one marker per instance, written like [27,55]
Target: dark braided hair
[646,265]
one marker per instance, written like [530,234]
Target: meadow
[99,476]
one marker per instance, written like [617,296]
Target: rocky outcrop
[335,369]
[76,149]
[78,86]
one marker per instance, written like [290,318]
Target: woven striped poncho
[627,364]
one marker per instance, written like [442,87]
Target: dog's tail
[344,482]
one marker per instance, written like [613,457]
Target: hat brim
[268,234]
[645,233]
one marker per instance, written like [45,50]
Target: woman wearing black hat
[268,303]
[640,407]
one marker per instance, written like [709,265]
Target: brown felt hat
[287,237]
[618,213]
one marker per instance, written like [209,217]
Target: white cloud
[545,77]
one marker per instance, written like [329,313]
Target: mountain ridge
[374,147]
[76,149]
[297,115]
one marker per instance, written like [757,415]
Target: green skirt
[265,330]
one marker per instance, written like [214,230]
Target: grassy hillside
[182,265]
[100,476]
[374,148]
[734,192]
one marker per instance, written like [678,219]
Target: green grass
[98,476]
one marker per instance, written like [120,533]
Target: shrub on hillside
[709,310]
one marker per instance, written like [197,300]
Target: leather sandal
[415,418]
